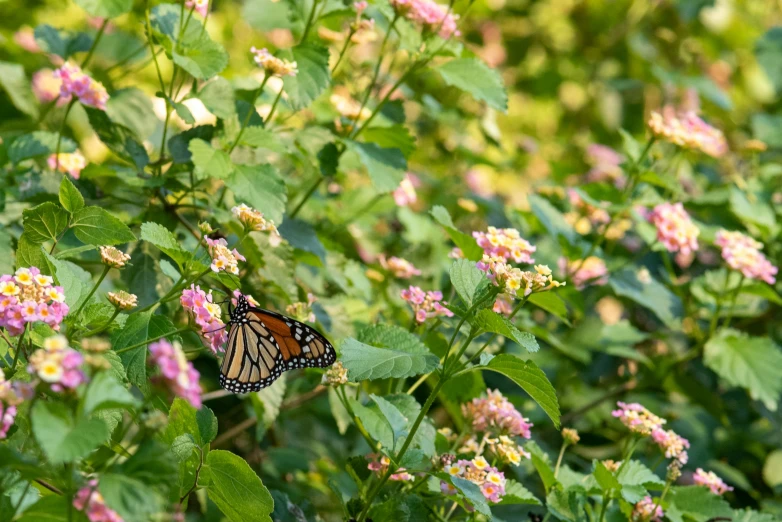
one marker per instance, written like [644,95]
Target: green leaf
[62,438]
[695,503]
[96,226]
[165,240]
[201,57]
[44,222]
[70,197]
[466,243]
[476,78]
[386,167]
[542,464]
[134,500]
[397,421]
[218,97]
[313,75]
[131,109]
[209,161]
[51,508]
[747,515]
[768,52]
[551,218]
[751,363]
[467,280]
[183,447]
[261,187]
[207,424]
[75,281]
[473,494]
[258,137]
[38,143]
[376,424]
[105,392]
[635,479]
[135,331]
[120,139]
[515,493]
[604,478]
[531,379]
[552,303]
[499,324]
[106,8]
[567,505]
[31,254]
[368,362]
[15,83]
[394,137]
[61,43]
[236,489]
[651,295]
[267,403]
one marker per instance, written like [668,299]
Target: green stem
[94,45]
[100,329]
[152,340]
[715,317]
[19,348]
[559,459]
[92,292]
[59,134]
[307,196]
[310,19]
[733,302]
[628,454]
[250,112]
[603,508]
[343,51]
[274,107]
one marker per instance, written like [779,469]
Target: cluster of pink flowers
[11,395]
[673,445]
[742,253]
[495,413]
[71,163]
[506,243]
[637,418]
[272,65]
[503,305]
[223,259]
[425,304]
[199,6]
[207,316]
[58,364]
[590,271]
[90,501]
[711,481]
[583,216]
[379,464]
[430,15]
[76,82]
[29,296]
[404,194]
[687,130]
[605,165]
[647,510]
[176,372]
[46,86]
[479,472]
[514,281]
[400,268]
[675,230]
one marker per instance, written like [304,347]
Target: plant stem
[19,348]
[307,196]
[94,45]
[94,288]
[99,329]
[559,459]
[59,134]
[628,454]
[733,302]
[250,112]
[149,341]
[274,107]
[343,51]
[310,19]
[603,508]
[715,317]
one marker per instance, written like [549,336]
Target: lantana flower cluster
[515,282]
[223,258]
[207,315]
[199,6]
[606,165]
[405,194]
[506,243]
[711,481]
[176,372]
[11,395]
[302,311]
[58,364]
[742,253]
[425,304]
[71,163]
[89,500]
[349,107]
[647,510]
[687,130]
[254,220]
[76,82]
[428,14]
[583,216]
[479,472]
[675,230]
[29,296]
[640,420]
[272,65]
[400,268]
[589,271]
[379,464]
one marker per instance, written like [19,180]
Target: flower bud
[113,257]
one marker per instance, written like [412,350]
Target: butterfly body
[264,344]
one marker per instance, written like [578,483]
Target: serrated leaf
[96,226]
[473,494]
[106,392]
[44,222]
[515,493]
[695,503]
[70,197]
[218,97]
[183,446]
[476,78]
[165,240]
[38,143]
[551,218]
[466,243]
[531,379]
[62,438]
[395,419]
[236,489]
[120,139]
[605,478]
[313,74]
[386,167]
[201,57]
[368,362]
[467,280]
[394,137]
[209,161]
[649,294]
[261,187]
[131,498]
[552,303]
[751,363]
[61,43]
[499,324]
[15,83]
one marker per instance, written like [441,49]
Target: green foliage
[476,78]
[236,489]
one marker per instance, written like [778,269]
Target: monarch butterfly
[263,344]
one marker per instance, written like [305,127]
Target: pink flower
[199,6]
[360,7]
[90,501]
[58,364]
[76,83]
[207,316]
[401,268]
[675,230]
[404,194]
[674,446]
[646,510]
[46,86]
[479,182]
[637,418]
[27,297]
[506,243]
[710,480]
[687,130]
[495,413]
[176,372]
[25,38]
[425,304]
[743,253]
[7,416]
[605,163]
[223,259]
[490,480]
[590,271]
[430,15]
[503,305]
[379,464]
[71,163]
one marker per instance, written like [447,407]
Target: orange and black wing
[253,358]
[302,346]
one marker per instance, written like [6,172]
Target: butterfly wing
[301,345]
[253,358]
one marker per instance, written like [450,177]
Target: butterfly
[263,344]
